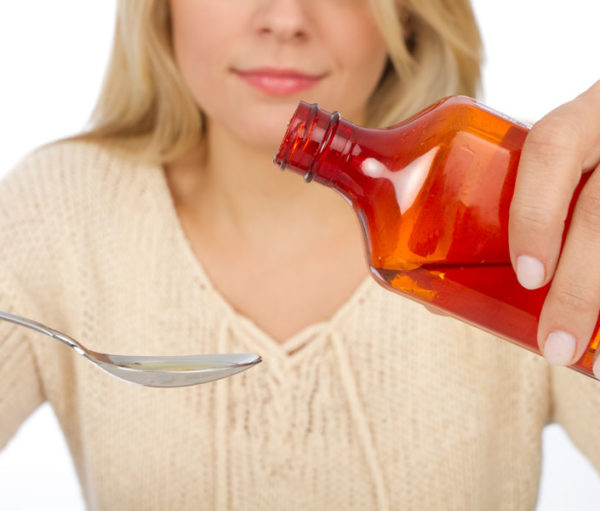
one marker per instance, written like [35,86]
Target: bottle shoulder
[473,111]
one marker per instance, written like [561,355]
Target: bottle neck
[317,144]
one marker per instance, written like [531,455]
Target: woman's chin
[261,126]
[264,136]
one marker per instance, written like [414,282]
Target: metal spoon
[155,371]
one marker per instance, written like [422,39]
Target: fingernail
[596,368]
[559,348]
[530,272]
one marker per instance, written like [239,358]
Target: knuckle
[533,217]
[572,300]
[555,133]
[588,210]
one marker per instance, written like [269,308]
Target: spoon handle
[38,327]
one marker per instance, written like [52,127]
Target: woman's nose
[285,20]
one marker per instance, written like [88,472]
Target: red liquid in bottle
[433,196]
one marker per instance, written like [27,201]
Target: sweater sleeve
[21,256]
[577,409]
[20,386]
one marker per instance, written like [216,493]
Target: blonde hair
[144,106]
[434,50]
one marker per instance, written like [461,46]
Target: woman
[167,230]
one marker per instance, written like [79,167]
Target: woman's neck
[236,187]
[269,243]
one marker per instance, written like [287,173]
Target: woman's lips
[278,82]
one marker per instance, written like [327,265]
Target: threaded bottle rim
[308,134]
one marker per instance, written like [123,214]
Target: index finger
[559,147]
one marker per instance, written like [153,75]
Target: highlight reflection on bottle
[433,196]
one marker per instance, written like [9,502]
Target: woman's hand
[560,147]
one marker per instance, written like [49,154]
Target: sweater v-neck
[298,345]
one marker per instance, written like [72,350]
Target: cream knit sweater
[384,406]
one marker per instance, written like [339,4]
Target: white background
[52,56]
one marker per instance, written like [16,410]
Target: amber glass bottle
[433,196]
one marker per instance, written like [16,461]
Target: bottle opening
[308,134]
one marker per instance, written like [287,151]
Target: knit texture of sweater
[383,406]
